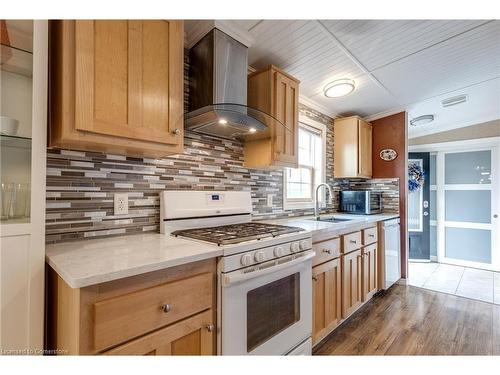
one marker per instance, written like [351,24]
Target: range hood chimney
[218,91]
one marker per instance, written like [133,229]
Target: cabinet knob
[315,278]
[166,307]
[176,131]
[328,251]
[210,327]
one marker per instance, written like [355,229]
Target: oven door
[267,311]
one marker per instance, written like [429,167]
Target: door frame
[440,150]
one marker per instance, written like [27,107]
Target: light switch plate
[121,203]
[269,200]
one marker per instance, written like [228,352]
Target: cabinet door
[345,161]
[351,282]
[326,298]
[129,79]
[286,108]
[192,336]
[369,271]
[364,149]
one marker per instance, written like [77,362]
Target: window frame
[298,203]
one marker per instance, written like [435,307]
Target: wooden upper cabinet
[352,155]
[275,92]
[117,86]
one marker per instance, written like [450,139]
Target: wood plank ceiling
[396,64]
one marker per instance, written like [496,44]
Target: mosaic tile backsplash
[80,187]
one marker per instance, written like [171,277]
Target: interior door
[418,211]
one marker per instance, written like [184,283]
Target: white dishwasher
[391,253]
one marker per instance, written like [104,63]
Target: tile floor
[461,281]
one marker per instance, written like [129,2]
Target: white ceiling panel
[483,104]
[459,62]
[367,99]
[305,51]
[376,43]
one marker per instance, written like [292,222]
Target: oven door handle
[229,279]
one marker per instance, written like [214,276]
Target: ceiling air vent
[454,101]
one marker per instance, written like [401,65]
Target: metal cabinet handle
[166,307]
[371,235]
[176,132]
[210,327]
[352,241]
[315,278]
[328,251]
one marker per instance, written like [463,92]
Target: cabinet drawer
[369,235]
[326,250]
[121,318]
[351,242]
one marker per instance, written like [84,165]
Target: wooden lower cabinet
[351,282]
[169,311]
[369,262]
[326,298]
[192,336]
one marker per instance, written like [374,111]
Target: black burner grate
[235,233]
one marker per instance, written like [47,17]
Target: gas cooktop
[236,233]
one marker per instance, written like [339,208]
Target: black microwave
[363,202]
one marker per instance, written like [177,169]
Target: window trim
[293,204]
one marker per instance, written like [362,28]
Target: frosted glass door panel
[472,206]
[468,244]
[468,167]
[433,237]
[432,170]
[433,205]
[415,205]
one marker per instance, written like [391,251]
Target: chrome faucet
[316,202]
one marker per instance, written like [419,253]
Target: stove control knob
[294,247]
[259,256]
[279,251]
[246,260]
[303,245]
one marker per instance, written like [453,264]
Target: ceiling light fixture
[339,87]
[454,101]
[252,130]
[223,121]
[421,120]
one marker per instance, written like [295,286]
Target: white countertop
[85,263]
[322,229]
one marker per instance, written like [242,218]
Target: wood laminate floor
[412,321]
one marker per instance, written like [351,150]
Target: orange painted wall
[390,132]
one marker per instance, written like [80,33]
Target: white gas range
[264,299]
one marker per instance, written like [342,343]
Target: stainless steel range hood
[218,91]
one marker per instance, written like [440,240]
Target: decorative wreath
[416,177]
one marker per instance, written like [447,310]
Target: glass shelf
[15,141]
[16,60]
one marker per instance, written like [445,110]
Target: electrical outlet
[121,203]
[269,200]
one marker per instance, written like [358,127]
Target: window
[299,182]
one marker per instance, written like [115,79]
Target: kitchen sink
[331,219]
